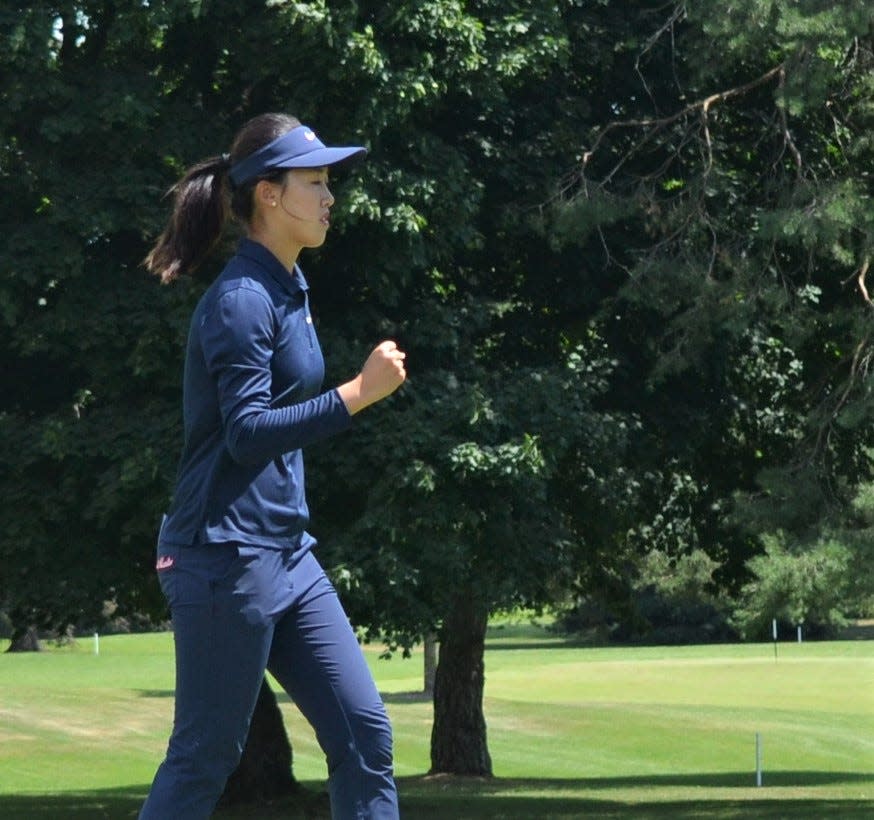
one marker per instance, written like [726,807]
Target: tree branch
[678,14]
[784,124]
[702,105]
[863,272]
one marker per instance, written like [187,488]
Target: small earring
[273,203]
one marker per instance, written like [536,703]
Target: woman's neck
[285,251]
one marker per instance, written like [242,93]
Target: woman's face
[301,205]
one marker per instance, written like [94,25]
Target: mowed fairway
[573,732]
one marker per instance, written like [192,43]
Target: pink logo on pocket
[164,562]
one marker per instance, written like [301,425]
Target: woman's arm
[237,339]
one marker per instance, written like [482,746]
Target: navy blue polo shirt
[252,399]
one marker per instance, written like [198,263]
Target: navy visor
[298,148]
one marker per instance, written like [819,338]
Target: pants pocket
[167,567]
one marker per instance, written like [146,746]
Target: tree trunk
[265,770]
[430,647]
[458,738]
[25,640]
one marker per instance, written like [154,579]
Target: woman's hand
[382,374]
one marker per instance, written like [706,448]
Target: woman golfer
[234,560]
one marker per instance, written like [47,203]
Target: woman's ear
[266,194]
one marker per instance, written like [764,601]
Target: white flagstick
[758,759]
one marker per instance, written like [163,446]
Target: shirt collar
[292,282]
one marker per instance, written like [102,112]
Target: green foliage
[105,106]
[633,321]
[687,577]
[819,27]
[767,384]
[672,530]
[796,586]
[677,601]
[464,504]
[726,207]
[858,534]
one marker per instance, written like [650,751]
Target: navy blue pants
[237,611]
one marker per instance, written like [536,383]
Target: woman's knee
[210,758]
[375,740]
[367,741]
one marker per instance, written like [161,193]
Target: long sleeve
[238,339]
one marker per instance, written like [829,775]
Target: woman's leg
[221,597]
[317,660]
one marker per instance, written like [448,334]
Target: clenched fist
[382,374]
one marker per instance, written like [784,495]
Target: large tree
[470,511]
[730,202]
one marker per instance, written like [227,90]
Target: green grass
[573,732]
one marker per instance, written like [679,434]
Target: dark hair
[204,197]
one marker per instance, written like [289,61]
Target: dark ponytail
[203,198]
[200,211]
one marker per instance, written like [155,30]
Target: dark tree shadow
[406,697]
[101,804]
[155,693]
[441,797]
[460,798]
[125,804]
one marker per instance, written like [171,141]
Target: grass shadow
[460,798]
[440,797]
[407,697]
[535,808]
[858,631]
[125,804]
[387,697]
[499,644]
[699,780]
[101,804]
